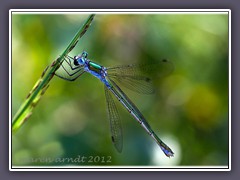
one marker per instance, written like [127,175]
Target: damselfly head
[78,60]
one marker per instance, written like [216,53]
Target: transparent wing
[137,77]
[137,83]
[115,123]
[68,70]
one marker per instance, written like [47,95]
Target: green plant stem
[42,84]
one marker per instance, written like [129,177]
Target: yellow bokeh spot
[203,107]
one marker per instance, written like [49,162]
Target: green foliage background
[189,110]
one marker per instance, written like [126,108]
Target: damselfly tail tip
[170,154]
[167,151]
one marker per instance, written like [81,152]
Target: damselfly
[128,76]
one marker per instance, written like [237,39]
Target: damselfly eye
[84,54]
[75,62]
[75,58]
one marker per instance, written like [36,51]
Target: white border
[10,90]
[229,87]
[123,168]
[120,11]
[117,11]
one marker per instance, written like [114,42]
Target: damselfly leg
[68,70]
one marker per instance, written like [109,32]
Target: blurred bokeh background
[189,110]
